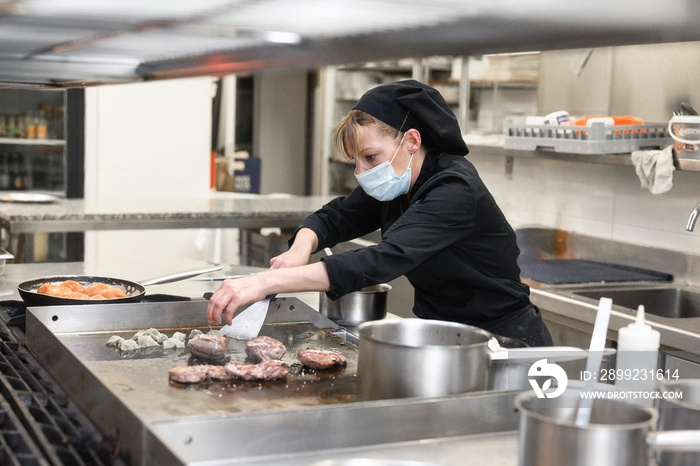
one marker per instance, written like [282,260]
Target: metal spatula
[249,321]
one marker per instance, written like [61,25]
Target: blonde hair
[348,136]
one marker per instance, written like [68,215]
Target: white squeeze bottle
[637,360]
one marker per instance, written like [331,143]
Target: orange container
[620,120]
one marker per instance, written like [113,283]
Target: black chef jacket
[450,240]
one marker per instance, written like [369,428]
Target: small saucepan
[134,291]
[357,307]
[679,412]
[619,433]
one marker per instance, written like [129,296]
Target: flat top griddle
[71,340]
[129,397]
[145,371]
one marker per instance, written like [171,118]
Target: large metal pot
[618,434]
[357,307]
[418,357]
[679,414]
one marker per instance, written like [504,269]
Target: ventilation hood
[68,43]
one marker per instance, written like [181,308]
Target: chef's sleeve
[432,223]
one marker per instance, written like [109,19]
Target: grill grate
[39,424]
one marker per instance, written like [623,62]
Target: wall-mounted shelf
[484,84]
[684,164]
[33,142]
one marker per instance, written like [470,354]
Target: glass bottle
[4,173]
[21,129]
[18,171]
[31,124]
[41,125]
[11,131]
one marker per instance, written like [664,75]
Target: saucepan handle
[498,353]
[674,440]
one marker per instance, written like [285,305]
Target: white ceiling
[86,42]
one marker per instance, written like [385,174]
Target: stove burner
[40,425]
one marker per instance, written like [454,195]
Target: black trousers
[526,326]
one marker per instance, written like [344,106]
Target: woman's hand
[232,295]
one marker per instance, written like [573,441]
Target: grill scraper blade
[249,321]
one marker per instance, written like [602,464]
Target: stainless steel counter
[219,210]
[573,315]
[222,210]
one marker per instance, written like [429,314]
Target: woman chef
[440,226]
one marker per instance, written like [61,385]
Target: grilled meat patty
[269,369]
[198,373]
[320,359]
[209,347]
[262,348]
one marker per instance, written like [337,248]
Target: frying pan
[134,291]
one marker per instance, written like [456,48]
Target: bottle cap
[639,335]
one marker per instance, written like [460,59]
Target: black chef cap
[411,104]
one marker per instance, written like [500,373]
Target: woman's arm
[234,294]
[305,243]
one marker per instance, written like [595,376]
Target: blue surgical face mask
[381,181]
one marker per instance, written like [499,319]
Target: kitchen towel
[655,169]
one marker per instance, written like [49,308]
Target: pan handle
[674,440]
[175,277]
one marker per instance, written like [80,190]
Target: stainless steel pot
[619,433]
[357,307]
[420,358]
[678,414]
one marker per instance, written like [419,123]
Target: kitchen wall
[143,143]
[280,131]
[648,81]
[603,200]
[599,200]
[151,141]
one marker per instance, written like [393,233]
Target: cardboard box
[246,175]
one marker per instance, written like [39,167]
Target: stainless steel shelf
[684,164]
[33,142]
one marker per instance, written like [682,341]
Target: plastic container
[559,118]
[637,360]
